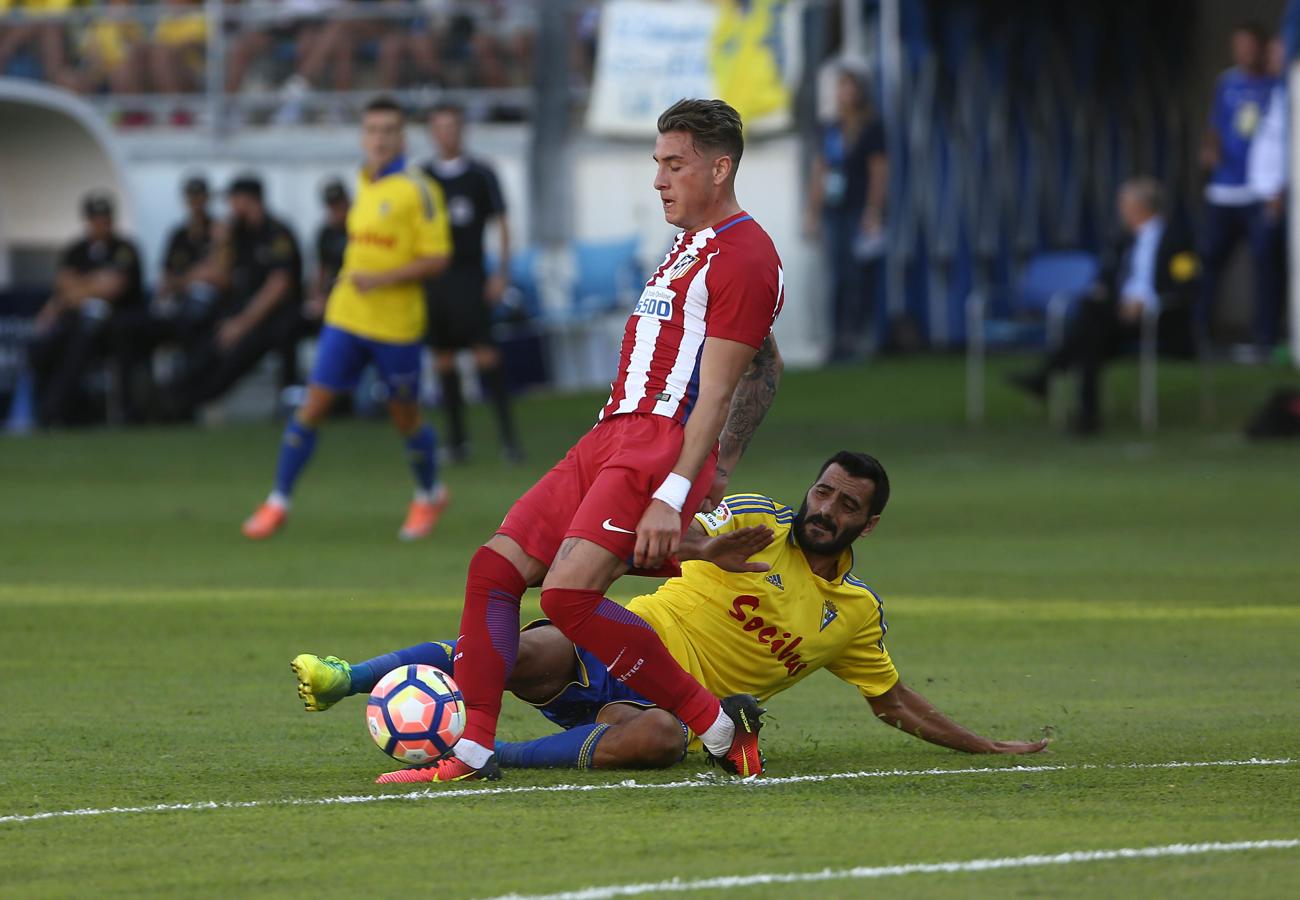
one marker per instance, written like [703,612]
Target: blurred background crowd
[1085,180]
[147,59]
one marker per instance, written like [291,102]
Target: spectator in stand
[261,270]
[111,53]
[184,309]
[850,177]
[1266,173]
[1155,274]
[489,47]
[46,36]
[98,279]
[503,44]
[407,46]
[316,43]
[174,59]
[1232,210]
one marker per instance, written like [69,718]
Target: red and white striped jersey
[723,282]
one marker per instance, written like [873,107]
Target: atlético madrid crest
[684,264]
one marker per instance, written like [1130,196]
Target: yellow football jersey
[395,219]
[180,30]
[763,632]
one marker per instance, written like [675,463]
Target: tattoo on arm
[751,401]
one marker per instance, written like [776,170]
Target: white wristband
[674,491]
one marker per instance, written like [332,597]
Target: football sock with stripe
[365,675]
[422,450]
[634,654]
[296,447]
[572,749]
[489,641]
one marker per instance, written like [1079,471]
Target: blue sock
[572,749]
[295,450]
[366,675]
[422,450]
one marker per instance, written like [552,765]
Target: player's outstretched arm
[908,711]
[729,551]
[749,404]
[660,530]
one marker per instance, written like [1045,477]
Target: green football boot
[321,682]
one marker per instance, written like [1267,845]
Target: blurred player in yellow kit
[767,598]
[398,236]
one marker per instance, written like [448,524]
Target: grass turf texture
[1137,596]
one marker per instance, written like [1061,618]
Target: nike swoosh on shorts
[609,525]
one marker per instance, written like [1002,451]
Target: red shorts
[601,488]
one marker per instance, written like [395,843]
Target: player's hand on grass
[657,535]
[1013,748]
[731,550]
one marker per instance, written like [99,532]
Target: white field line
[677,885]
[699,781]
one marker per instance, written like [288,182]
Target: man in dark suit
[1154,273]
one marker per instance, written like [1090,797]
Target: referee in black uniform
[462,298]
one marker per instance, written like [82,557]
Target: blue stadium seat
[1033,313]
[605,275]
[608,275]
[522,297]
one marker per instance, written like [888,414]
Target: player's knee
[581,565]
[555,606]
[315,408]
[532,570]
[660,740]
[405,416]
[544,666]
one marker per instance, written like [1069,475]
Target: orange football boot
[269,518]
[422,516]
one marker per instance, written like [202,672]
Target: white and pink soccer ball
[416,714]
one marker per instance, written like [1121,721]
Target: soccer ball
[416,714]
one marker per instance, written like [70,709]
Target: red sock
[636,656]
[489,640]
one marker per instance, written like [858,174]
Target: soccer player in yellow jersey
[768,598]
[398,236]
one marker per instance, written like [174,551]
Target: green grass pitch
[1137,597]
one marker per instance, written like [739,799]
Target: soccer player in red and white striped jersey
[624,494]
[710,284]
